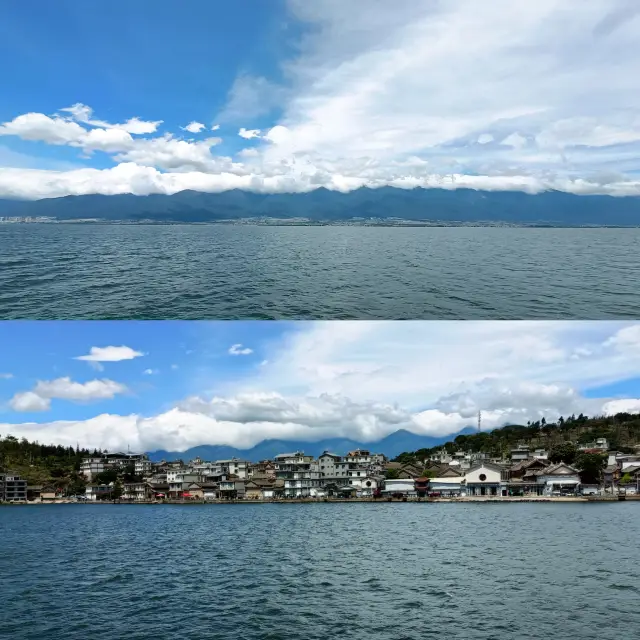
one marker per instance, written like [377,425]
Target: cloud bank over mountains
[366,380]
[502,95]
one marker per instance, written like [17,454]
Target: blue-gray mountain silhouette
[322,205]
[391,446]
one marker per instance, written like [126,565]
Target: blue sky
[290,95]
[173,385]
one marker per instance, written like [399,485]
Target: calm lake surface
[230,272]
[385,571]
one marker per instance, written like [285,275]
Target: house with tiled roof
[559,477]
[485,479]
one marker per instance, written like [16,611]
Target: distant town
[297,222]
[525,473]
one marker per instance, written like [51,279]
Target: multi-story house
[12,488]
[137,491]
[91,466]
[95,492]
[327,463]
[143,467]
[179,481]
[301,474]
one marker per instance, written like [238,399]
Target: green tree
[392,474]
[564,452]
[106,477]
[627,478]
[429,473]
[116,492]
[591,466]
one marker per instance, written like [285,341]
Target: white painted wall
[473,477]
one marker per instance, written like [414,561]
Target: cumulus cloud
[110,354]
[29,401]
[170,153]
[84,114]
[239,350]
[407,94]
[249,133]
[194,127]
[626,340]
[365,380]
[39,399]
[39,127]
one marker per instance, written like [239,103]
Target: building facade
[12,488]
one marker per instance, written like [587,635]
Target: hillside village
[132,477]
[574,456]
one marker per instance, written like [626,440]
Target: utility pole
[479,421]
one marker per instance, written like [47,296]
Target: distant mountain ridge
[393,445]
[554,208]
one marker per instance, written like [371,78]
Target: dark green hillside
[41,464]
[622,432]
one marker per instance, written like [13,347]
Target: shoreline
[465,500]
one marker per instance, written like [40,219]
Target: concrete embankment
[464,500]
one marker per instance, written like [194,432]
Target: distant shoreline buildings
[132,477]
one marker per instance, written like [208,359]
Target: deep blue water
[230,272]
[270,571]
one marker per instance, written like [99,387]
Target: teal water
[230,272]
[384,571]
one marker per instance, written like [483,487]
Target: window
[483,477]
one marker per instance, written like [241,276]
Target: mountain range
[553,208]
[394,444]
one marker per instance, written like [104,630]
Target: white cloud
[82,113]
[626,340]
[110,354]
[174,367]
[28,401]
[364,380]
[249,133]
[515,140]
[150,372]
[172,154]
[129,177]
[239,350]
[215,127]
[195,127]
[67,389]
[405,94]
[6,376]
[251,97]
[39,399]
[37,126]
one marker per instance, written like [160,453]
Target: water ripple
[228,272]
[384,571]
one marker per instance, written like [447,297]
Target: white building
[404,486]
[559,478]
[446,487]
[485,479]
[300,473]
[365,486]
[93,465]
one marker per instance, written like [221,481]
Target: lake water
[230,272]
[269,571]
